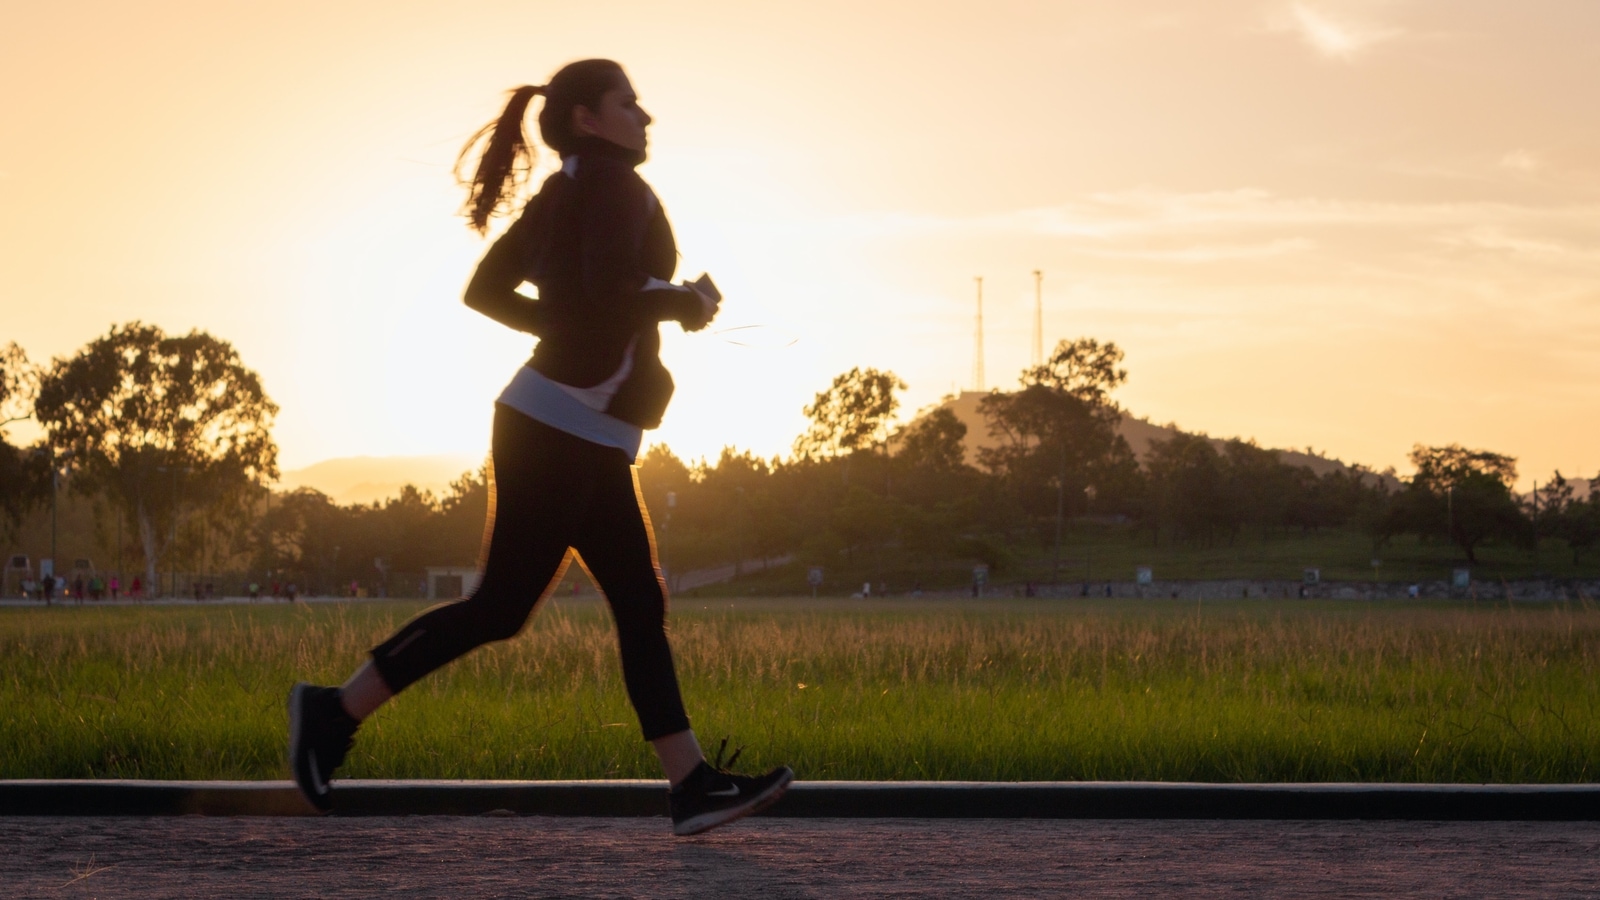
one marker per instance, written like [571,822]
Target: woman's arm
[493,288]
[614,217]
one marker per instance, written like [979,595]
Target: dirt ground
[781,858]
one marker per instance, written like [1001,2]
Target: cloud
[1334,38]
[1500,241]
[1207,253]
[1520,160]
[1149,212]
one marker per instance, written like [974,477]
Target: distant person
[77,588]
[290,591]
[597,245]
[136,588]
[29,588]
[48,586]
[255,591]
[116,586]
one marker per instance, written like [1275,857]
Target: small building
[18,569]
[452,582]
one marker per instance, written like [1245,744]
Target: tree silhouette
[1057,436]
[934,442]
[1562,515]
[1464,495]
[1187,486]
[154,422]
[19,385]
[853,414]
[24,475]
[1084,368]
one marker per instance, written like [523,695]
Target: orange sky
[1354,225]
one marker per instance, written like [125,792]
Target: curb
[833,799]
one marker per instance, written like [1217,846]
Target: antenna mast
[977,359]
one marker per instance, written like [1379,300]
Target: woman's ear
[584,122]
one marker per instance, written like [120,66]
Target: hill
[1139,433]
[370,479]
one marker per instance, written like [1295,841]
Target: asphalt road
[485,857]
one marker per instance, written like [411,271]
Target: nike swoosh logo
[732,791]
[321,787]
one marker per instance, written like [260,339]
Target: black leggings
[552,491]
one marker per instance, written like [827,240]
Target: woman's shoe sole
[707,821]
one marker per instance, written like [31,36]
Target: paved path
[487,857]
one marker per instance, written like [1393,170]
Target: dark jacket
[589,242]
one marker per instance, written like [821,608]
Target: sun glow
[1395,249]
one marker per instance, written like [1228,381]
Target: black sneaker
[320,734]
[713,796]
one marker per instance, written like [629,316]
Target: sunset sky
[1349,224]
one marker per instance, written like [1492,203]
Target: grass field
[999,690]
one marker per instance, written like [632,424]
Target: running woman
[596,243]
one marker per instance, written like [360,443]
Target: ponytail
[506,157]
[503,163]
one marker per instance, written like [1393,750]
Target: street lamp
[1450,512]
[1088,535]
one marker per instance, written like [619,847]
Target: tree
[306,533]
[24,475]
[1257,488]
[1445,466]
[863,521]
[661,472]
[934,442]
[19,385]
[734,512]
[1084,368]
[1464,495]
[1187,486]
[853,414]
[465,511]
[1045,429]
[154,422]
[1058,434]
[1561,515]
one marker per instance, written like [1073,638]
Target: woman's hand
[698,319]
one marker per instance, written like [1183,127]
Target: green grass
[1005,690]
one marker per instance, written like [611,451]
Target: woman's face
[620,119]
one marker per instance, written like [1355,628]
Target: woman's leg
[680,755]
[537,490]
[617,548]
[538,487]
[364,692]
